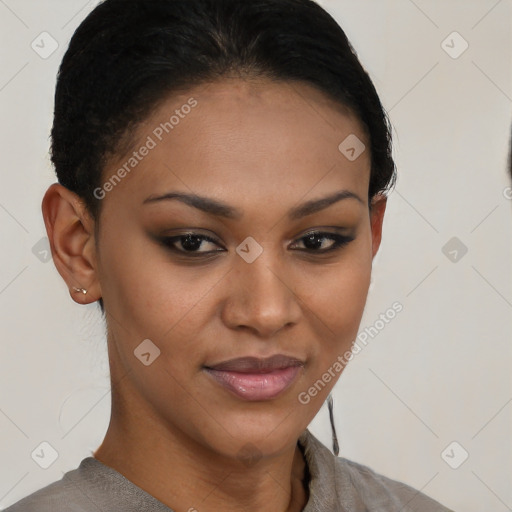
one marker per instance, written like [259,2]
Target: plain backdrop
[429,400]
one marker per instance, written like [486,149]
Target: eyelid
[327,230]
[340,240]
[324,230]
[169,240]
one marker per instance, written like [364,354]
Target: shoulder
[338,483]
[63,496]
[383,493]
[91,487]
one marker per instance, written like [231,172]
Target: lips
[255,379]
[257,365]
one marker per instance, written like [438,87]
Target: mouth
[256,379]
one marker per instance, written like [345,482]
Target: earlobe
[377,210]
[70,230]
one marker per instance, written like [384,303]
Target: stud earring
[82,290]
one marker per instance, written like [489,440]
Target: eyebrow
[219,209]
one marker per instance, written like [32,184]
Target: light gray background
[437,373]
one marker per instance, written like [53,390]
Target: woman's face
[251,281]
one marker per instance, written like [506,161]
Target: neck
[185,474]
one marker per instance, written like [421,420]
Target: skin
[262,147]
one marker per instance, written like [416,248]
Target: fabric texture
[336,485]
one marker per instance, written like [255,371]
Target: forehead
[247,138]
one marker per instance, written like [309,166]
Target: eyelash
[339,242]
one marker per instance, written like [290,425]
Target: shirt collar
[324,477]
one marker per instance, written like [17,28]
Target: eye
[315,241]
[190,243]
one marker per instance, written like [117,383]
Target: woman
[223,168]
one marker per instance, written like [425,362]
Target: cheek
[140,283]
[337,303]
[343,302]
[148,297]
[340,291]
[157,299]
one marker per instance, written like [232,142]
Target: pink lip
[255,379]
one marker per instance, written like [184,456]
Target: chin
[257,433]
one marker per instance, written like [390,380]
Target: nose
[260,297]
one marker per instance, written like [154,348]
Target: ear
[70,230]
[377,210]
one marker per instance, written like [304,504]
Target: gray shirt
[336,484]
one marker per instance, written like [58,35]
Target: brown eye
[190,243]
[315,241]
